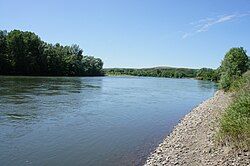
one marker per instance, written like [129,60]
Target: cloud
[186,35]
[205,24]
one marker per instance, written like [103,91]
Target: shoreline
[193,140]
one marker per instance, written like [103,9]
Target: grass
[235,123]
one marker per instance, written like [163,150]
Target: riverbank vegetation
[168,72]
[223,74]
[154,72]
[24,53]
[235,123]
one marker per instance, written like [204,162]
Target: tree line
[154,72]
[169,72]
[24,53]
[235,63]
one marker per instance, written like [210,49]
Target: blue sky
[137,33]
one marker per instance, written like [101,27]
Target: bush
[243,83]
[235,123]
[225,81]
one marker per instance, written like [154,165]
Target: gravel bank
[192,141]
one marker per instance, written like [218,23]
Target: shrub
[235,123]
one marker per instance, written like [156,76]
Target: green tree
[92,66]
[207,74]
[4,60]
[24,50]
[234,64]
[24,53]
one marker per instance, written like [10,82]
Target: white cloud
[205,24]
[186,35]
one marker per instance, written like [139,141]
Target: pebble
[192,140]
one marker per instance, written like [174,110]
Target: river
[91,120]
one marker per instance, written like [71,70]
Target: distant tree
[207,74]
[155,72]
[92,66]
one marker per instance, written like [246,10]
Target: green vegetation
[235,63]
[155,72]
[235,123]
[208,74]
[169,72]
[24,53]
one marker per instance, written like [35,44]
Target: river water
[91,121]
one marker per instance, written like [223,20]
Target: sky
[137,33]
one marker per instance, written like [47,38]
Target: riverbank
[193,141]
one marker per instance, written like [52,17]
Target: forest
[169,72]
[24,53]
[154,72]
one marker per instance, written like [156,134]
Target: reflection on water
[18,116]
[30,92]
[90,121]
[21,87]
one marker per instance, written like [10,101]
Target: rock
[192,140]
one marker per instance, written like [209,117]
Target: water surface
[91,121]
